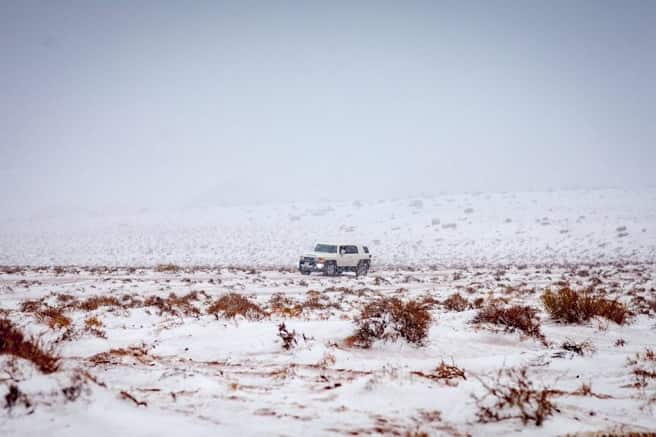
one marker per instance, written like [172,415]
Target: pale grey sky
[144,104]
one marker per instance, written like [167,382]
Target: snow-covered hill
[479,228]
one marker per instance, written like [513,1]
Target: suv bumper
[310,266]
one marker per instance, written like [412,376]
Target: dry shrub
[455,302]
[115,356]
[95,302]
[288,338]
[642,305]
[390,318]
[15,396]
[93,326]
[511,395]
[13,342]
[232,304]
[643,368]
[447,373]
[569,306]
[578,348]
[166,268]
[522,318]
[31,306]
[53,317]
[285,306]
[175,305]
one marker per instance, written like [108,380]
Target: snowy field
[496,228]
[143,354]
[144,368]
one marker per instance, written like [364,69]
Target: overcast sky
[144,104]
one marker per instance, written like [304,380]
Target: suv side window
[351,249]
[366,249]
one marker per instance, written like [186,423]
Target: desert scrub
[389,319]
[233,304]
[514,318]
[569,306]
[512,395]
[456,302]
[14,342]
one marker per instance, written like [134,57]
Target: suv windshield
[327,248]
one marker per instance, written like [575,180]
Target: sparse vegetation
[569,306]
[512,395]
[456,302]
[514,318]
[232,304]
[643,368]
[578,348]
[14,342]
[167,268]
[288,338]
[389,319]
[446,373]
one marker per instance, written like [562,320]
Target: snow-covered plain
[450,229]
[200,375]
[206,376]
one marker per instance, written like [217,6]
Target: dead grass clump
[115,356]
[175,305]
[511,395]
[446,373]
[233,304]
[31,306]
[13,342]
[578,348]
[284,305]
[53,317]
[569,306]
[521,318]
[94,326]
[14,396]
[455,302]
[643,368]
[166,268]
[95,302]
[288,338]
[390,318]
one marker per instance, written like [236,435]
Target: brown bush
[578,348]
[13,342]
[447,373]
[232,304]
[288,338]
[390,318]
[569,306]
[53,317]
[95,302]
[93,326]
[284,305]
[522,318]
[15,396]
[175,305]
[643,368]
[166,268]
[455,302]
[511,395]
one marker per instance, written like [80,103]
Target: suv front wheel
[330,269]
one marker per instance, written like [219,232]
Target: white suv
[333,259]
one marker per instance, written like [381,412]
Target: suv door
[350,256]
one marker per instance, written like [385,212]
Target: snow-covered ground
[147,373]
[450,229]
[200,375]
